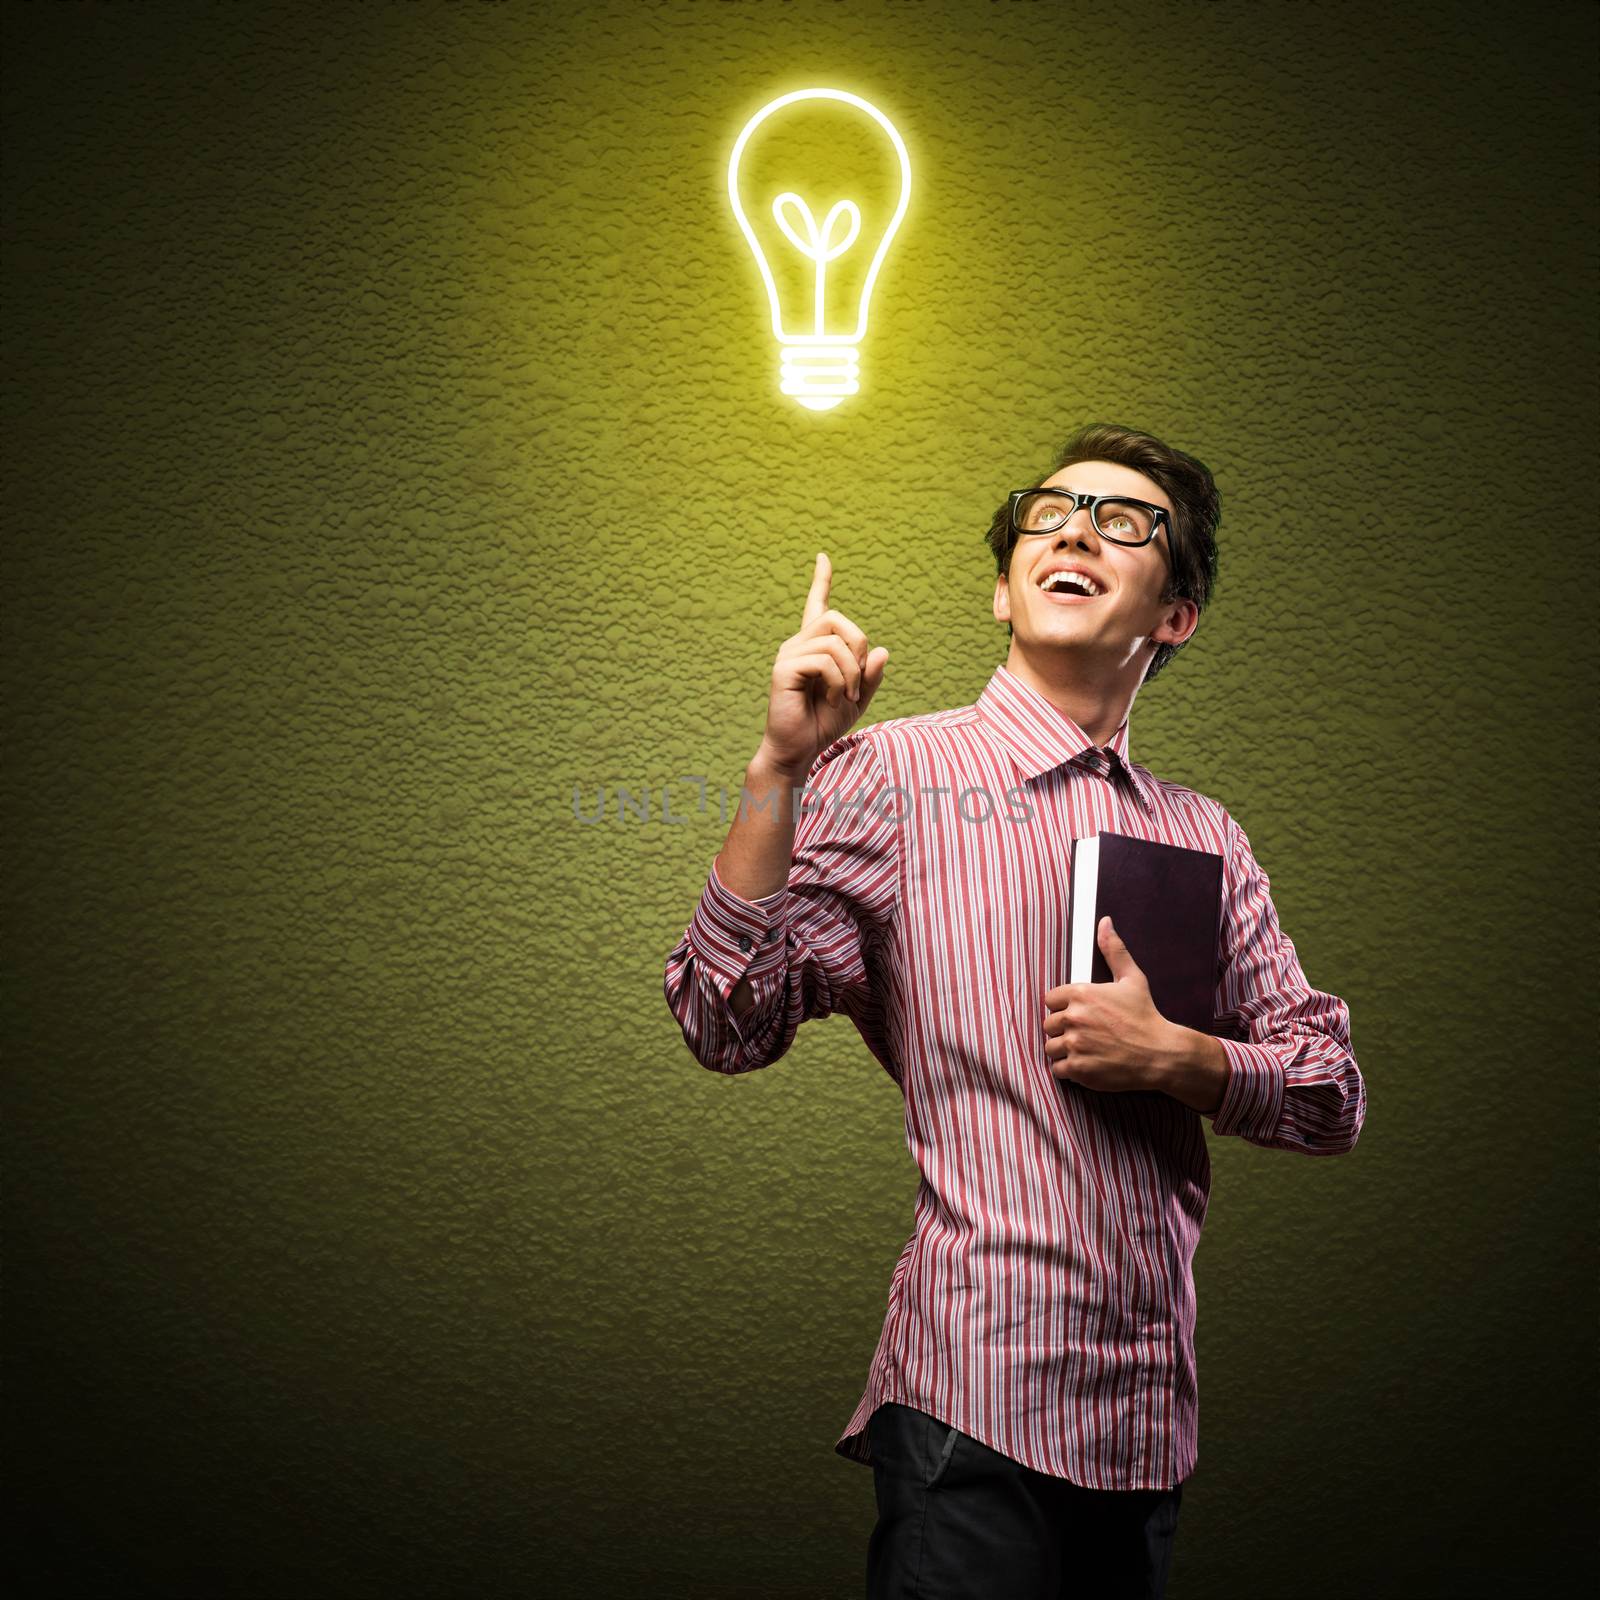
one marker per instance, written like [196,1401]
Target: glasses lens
[1122,521]
[1042,512]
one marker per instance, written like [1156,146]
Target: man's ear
[1002,599]
[1184,611]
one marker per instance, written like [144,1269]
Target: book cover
[1166,903]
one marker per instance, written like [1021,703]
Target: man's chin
[1067,638]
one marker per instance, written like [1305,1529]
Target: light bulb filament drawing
[815,244]
[818,357]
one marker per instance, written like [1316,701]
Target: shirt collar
[1040,736]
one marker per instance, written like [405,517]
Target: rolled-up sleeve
[1293,1082]
[809,949]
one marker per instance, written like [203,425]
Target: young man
[1030,1413]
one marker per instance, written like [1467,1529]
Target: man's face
[1127,612]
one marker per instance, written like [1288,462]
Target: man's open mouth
[1067,587]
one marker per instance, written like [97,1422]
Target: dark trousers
[959,1521]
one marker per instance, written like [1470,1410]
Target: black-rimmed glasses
[1116,517]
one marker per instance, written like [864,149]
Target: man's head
[1153,594]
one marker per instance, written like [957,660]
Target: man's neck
[1099,709]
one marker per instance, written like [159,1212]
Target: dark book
[1165,900]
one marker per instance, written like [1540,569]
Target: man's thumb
[1117,954]
[872,675]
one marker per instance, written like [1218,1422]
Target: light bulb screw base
[819,376]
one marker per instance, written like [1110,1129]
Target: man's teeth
[1070,581]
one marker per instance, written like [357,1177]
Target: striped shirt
[1044,1302]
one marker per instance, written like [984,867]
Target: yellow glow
[819,367]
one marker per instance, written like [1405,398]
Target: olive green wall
[369,1229]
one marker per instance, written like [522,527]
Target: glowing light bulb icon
[818,347]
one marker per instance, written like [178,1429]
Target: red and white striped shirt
[1045,1301]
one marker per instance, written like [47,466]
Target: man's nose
[1080,522]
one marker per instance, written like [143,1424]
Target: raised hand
[824,677]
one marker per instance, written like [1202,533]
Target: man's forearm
[756,856]
[1195,1070]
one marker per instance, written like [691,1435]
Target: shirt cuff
[736,938]
[1252,1102]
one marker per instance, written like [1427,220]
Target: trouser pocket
[911,1446]
[946,1450]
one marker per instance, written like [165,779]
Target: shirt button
[744,941]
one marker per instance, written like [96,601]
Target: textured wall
[369,1230]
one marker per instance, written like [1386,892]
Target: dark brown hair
[1196,511]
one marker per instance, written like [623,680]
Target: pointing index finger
[817,599]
